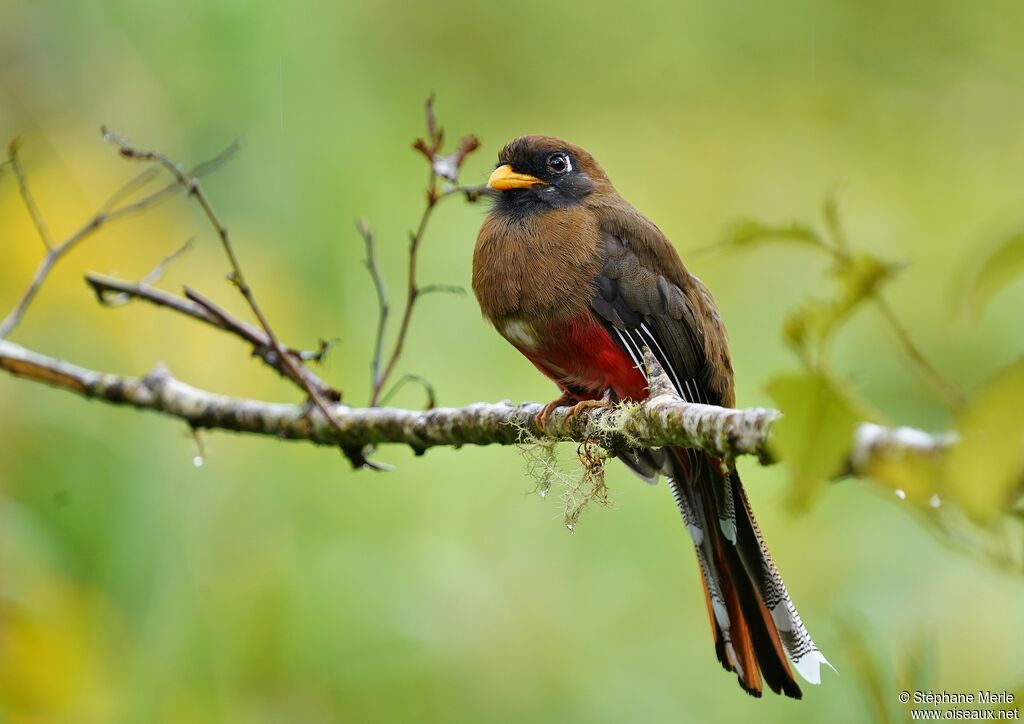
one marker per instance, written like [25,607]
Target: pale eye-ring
[559,163]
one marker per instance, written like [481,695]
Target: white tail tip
[809,666]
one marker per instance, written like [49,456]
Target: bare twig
[318,355]
[423,382]
[444,167]
[383,304]
[133,186]
[276,356]
[157,272]
[198,307]
[107,298]
[945,388]
[112,292]
[109,213]
[27,197]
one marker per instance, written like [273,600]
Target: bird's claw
[544,416]
[603,403]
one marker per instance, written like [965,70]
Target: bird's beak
[505,178]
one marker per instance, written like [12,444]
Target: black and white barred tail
[757,630]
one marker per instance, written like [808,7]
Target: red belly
[583,358]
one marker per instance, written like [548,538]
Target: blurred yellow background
[274,583]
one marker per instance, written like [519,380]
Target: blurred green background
[274,583]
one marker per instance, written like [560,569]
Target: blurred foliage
[813,438]
[985,471]
[274,584]
[980,482]
[912,671]
[972,496]
[998,270]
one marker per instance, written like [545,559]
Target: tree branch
[663,419]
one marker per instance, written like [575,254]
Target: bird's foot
[604,403]
[544,416]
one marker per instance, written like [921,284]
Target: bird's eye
[559,163]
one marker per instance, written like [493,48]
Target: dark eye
[559,163]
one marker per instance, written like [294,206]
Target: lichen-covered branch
[663,419]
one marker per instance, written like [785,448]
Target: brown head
[538,252]
[537,173]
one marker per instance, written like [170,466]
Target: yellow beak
[505,178]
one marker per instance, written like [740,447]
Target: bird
[581,283]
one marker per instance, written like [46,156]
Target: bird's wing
[642,307]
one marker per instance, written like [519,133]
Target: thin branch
[133,186]
[198,307]
[383,304]
[14,317]
[663,419]
[26,196]
[413,291]
[949,392]
[318,355]
[292,367]
[110,291]
[280,357]
[223,319]
[157,272]
[446,168]
[423,382]
[105,293]
[108,213]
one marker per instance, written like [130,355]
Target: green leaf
[814,436]
[986,469]
[1002,267]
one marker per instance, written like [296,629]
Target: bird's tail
[755,625]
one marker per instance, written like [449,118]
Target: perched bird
[580,282]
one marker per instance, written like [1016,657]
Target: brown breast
[538,268]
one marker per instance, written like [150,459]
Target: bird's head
[542,171]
